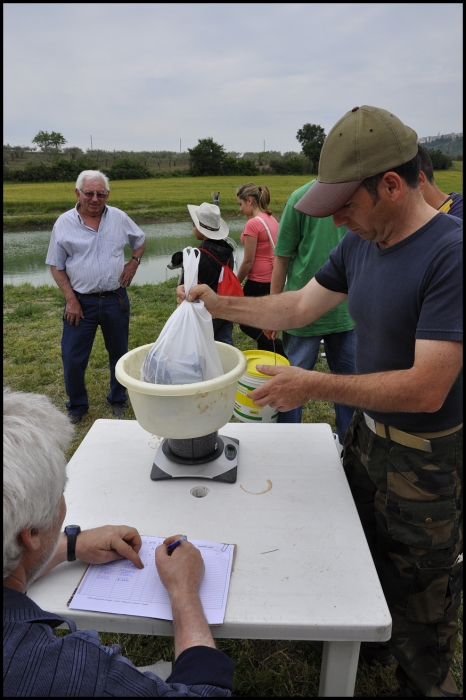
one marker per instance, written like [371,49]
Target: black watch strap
[138,260]
[71,532]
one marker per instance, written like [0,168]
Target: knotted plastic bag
[185,351]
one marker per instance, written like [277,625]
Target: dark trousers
[261,289]
[409,503]
[77,341]
[223,330]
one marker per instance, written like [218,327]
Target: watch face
[72,528]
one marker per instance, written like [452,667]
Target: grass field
[38,205]
[32,362]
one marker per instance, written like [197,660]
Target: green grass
[38,205]
[156,196]
[32,362]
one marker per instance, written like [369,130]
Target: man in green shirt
[304,245]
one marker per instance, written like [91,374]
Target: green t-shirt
[308,242]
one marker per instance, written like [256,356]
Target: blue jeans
[303,352]
[77,342]
[223,330]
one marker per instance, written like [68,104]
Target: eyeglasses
[89,195]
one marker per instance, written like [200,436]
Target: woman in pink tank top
[259,238]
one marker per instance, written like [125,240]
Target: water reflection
[24,253]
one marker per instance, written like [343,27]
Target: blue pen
[174,545]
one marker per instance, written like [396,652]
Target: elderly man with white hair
[35,661]
[86,258]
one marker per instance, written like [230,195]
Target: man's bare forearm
[63,282]
[190,626]
[278,311]
[387,392]
[422,388]
[138,252]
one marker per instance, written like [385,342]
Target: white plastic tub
[182,410]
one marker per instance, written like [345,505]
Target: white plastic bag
[185,351]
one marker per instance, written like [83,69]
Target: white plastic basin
[182,410]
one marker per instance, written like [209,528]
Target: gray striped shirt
[93,260]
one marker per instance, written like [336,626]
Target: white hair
[35,435]
[90,175]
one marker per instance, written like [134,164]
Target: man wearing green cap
[400,267]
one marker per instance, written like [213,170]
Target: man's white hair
[35,435]
[90,175]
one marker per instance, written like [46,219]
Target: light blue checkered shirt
[93,260]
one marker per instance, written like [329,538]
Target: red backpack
[228,283]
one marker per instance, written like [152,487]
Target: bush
[127,169]
[61,170]
[440,160]
[295,165]
[239,166]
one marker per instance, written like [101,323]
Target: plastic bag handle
[191,258]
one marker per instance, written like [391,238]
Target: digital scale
[211,456]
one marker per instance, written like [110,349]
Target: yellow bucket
[245,410]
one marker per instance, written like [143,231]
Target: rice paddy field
[37,205]
[144,200]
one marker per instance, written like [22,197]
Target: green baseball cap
[365,142]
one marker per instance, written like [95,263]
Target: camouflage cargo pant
[410,506]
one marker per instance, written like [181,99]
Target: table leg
[338,671]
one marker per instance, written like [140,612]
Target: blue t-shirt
[396,295]
[453,205]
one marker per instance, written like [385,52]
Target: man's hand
[108,543]
[202,292]
[288,388]
[73,312]
[271,335]
[128,273]
[182,571]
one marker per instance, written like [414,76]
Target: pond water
[24,253]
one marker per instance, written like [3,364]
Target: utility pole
[180,145]
[91,143]
[264,146]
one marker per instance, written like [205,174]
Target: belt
[106,294]
[420,441]
[100,294]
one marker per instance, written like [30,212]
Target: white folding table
[303,569]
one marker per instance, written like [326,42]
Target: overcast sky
[142,76]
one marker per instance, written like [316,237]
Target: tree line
[55,163]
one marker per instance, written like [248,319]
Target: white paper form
[120,588]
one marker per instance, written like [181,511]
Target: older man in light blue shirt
[86,258]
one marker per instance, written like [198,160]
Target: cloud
[141,76]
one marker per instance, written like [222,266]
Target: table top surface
[303,569]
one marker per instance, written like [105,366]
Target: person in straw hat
[212,230]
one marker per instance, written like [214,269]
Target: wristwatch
[138,260]
[71,532]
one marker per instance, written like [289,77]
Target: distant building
[451,137]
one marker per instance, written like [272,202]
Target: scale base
[222,468]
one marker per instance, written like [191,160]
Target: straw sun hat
[207,220]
